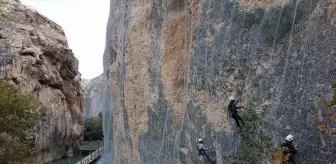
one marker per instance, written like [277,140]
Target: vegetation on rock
[255,146]
[332,102]
[328,115]
[18,115]
[93,129]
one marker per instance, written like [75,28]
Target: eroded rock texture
[93,90]
[34,53]
[172,65]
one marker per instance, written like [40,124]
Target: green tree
[18,115]
[93,128]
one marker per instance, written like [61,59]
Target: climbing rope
[197,43]
[239,85]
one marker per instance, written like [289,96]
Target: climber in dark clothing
[203,151]
[289,149]
[234,113]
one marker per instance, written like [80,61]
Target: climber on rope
[203,151]
[289,150]
[232,108]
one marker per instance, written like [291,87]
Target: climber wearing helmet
[203,151]
[233,111]
[289,149]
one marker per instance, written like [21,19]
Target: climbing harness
[286,156]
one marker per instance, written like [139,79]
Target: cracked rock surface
[171,67]
[34,54]
[93,90]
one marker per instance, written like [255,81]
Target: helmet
[232,98]
[289,138]
[200,140]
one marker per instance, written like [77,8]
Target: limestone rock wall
[34,53]
[172,65]
[93,90]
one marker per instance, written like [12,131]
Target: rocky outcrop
[93,90]
[172,65]
[34,53]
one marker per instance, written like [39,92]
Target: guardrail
[93,156]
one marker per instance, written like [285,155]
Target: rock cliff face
[170,67]
[34,53]
[93,90]
[84,82]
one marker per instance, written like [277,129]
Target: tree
[93,128]
[18,115]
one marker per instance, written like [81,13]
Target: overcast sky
[84,23]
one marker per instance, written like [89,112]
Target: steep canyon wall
[93,90]
[170,67]
[34,54]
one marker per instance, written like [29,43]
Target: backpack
[229,110]
[201,151]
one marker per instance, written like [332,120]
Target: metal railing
[93,156]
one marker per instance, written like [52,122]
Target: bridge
[92,157]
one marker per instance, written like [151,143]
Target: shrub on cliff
[332,102]
[93,128]
[328,116]
[18,115]
[255,145]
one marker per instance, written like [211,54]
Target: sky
[84,23]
